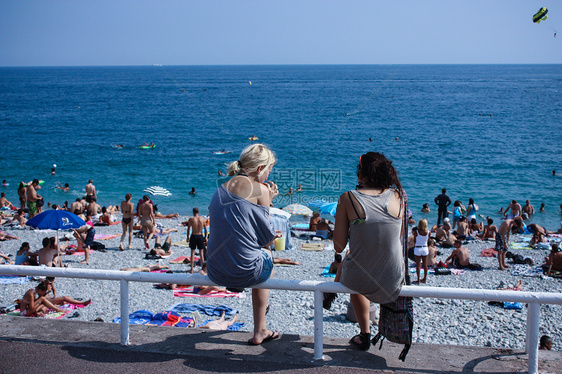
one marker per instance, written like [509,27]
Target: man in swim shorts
[85,237]
[198,239]
[32,198]
[502,239]
[90,191]
[159,249]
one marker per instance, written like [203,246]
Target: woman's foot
[271,335]
[121,247]
[362,341]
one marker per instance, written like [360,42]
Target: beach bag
[396,323]
[396,320]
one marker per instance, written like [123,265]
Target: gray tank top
[375,264]
[239,231]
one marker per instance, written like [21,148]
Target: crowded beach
[466,249]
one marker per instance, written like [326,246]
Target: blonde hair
[252,157]
[422,224]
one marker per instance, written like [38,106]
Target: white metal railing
[533,299]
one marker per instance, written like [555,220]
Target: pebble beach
[455,322]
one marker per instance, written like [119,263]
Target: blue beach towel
[326,272]
[140,317]
[210,310]
[13,279]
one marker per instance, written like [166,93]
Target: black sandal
[365,338]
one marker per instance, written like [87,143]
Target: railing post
[124,312]
[318,326]
[532,339]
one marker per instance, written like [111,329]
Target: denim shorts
[267,267]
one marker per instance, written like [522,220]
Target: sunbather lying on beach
[5,236]
[5,259]
[50,281]
[200,290]
[219,324]
[146,269]
[159,249]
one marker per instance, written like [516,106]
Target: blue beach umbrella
[329,208]
[56,220]
[316,204]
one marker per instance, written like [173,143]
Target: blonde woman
[241,230]
[421,250]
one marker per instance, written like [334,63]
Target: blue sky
[225,32]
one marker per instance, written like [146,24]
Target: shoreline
[455,322]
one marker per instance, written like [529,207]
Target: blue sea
[490,132]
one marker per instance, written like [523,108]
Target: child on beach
[421,251]
[457,213]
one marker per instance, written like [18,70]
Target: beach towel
[326,272]
[184,259]
[315,247]
[13,279]
[188,291]
[51,314]
[74,252]
[210,310]
[140,317]
[526,271]
[519,245]
[106,236]
[429,271]
[234,327]
[182,243]
[488,252]
[170,318]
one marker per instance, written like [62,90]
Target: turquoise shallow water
[491,132]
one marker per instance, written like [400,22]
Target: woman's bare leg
[361,307]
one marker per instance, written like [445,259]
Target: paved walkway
[55,346]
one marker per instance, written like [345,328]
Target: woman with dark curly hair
[371,219]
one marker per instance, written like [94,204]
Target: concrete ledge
[202,347]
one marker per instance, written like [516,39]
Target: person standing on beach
[90,191]
[127,208]
[442,201]
[242,231]
[32,198]
[85,239]
[502,239]
[22,194]
[146,215]
[421,250]
[198,239]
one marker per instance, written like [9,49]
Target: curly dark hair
[378,170]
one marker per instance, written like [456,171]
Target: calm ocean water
[490,132]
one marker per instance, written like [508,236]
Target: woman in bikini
[34,301]
[127,208]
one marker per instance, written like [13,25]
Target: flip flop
[274,335]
